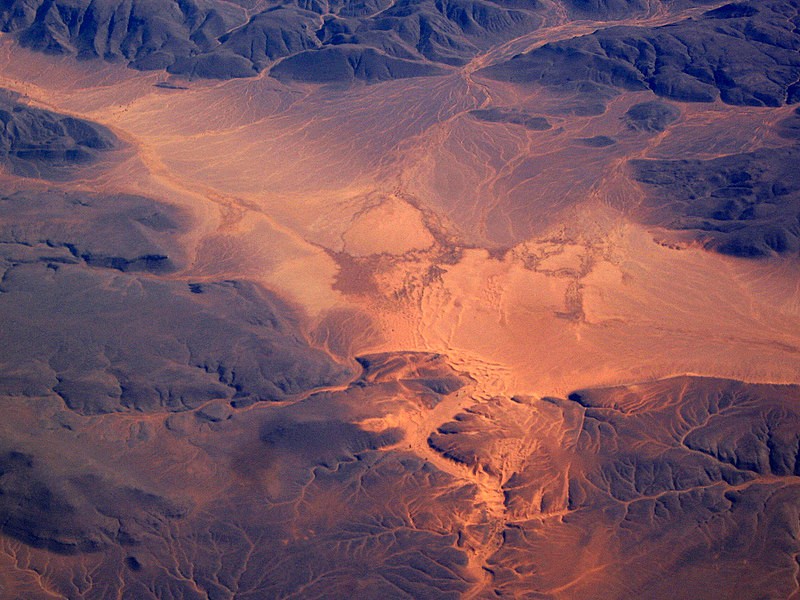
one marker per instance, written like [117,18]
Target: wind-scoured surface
[399,300]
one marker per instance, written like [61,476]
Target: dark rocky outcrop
[651,117]
[39,143]
[81,513]
[746,54]
[746,205]
[83,322]
[221,40]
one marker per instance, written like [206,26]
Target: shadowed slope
[39,143]
[745,205]
[82,324]
[745,54]
[222,40]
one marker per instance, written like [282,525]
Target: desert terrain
[400,299]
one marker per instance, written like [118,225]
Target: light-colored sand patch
[635,311]
[392,227]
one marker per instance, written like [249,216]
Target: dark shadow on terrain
[743,54]
[42,144]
